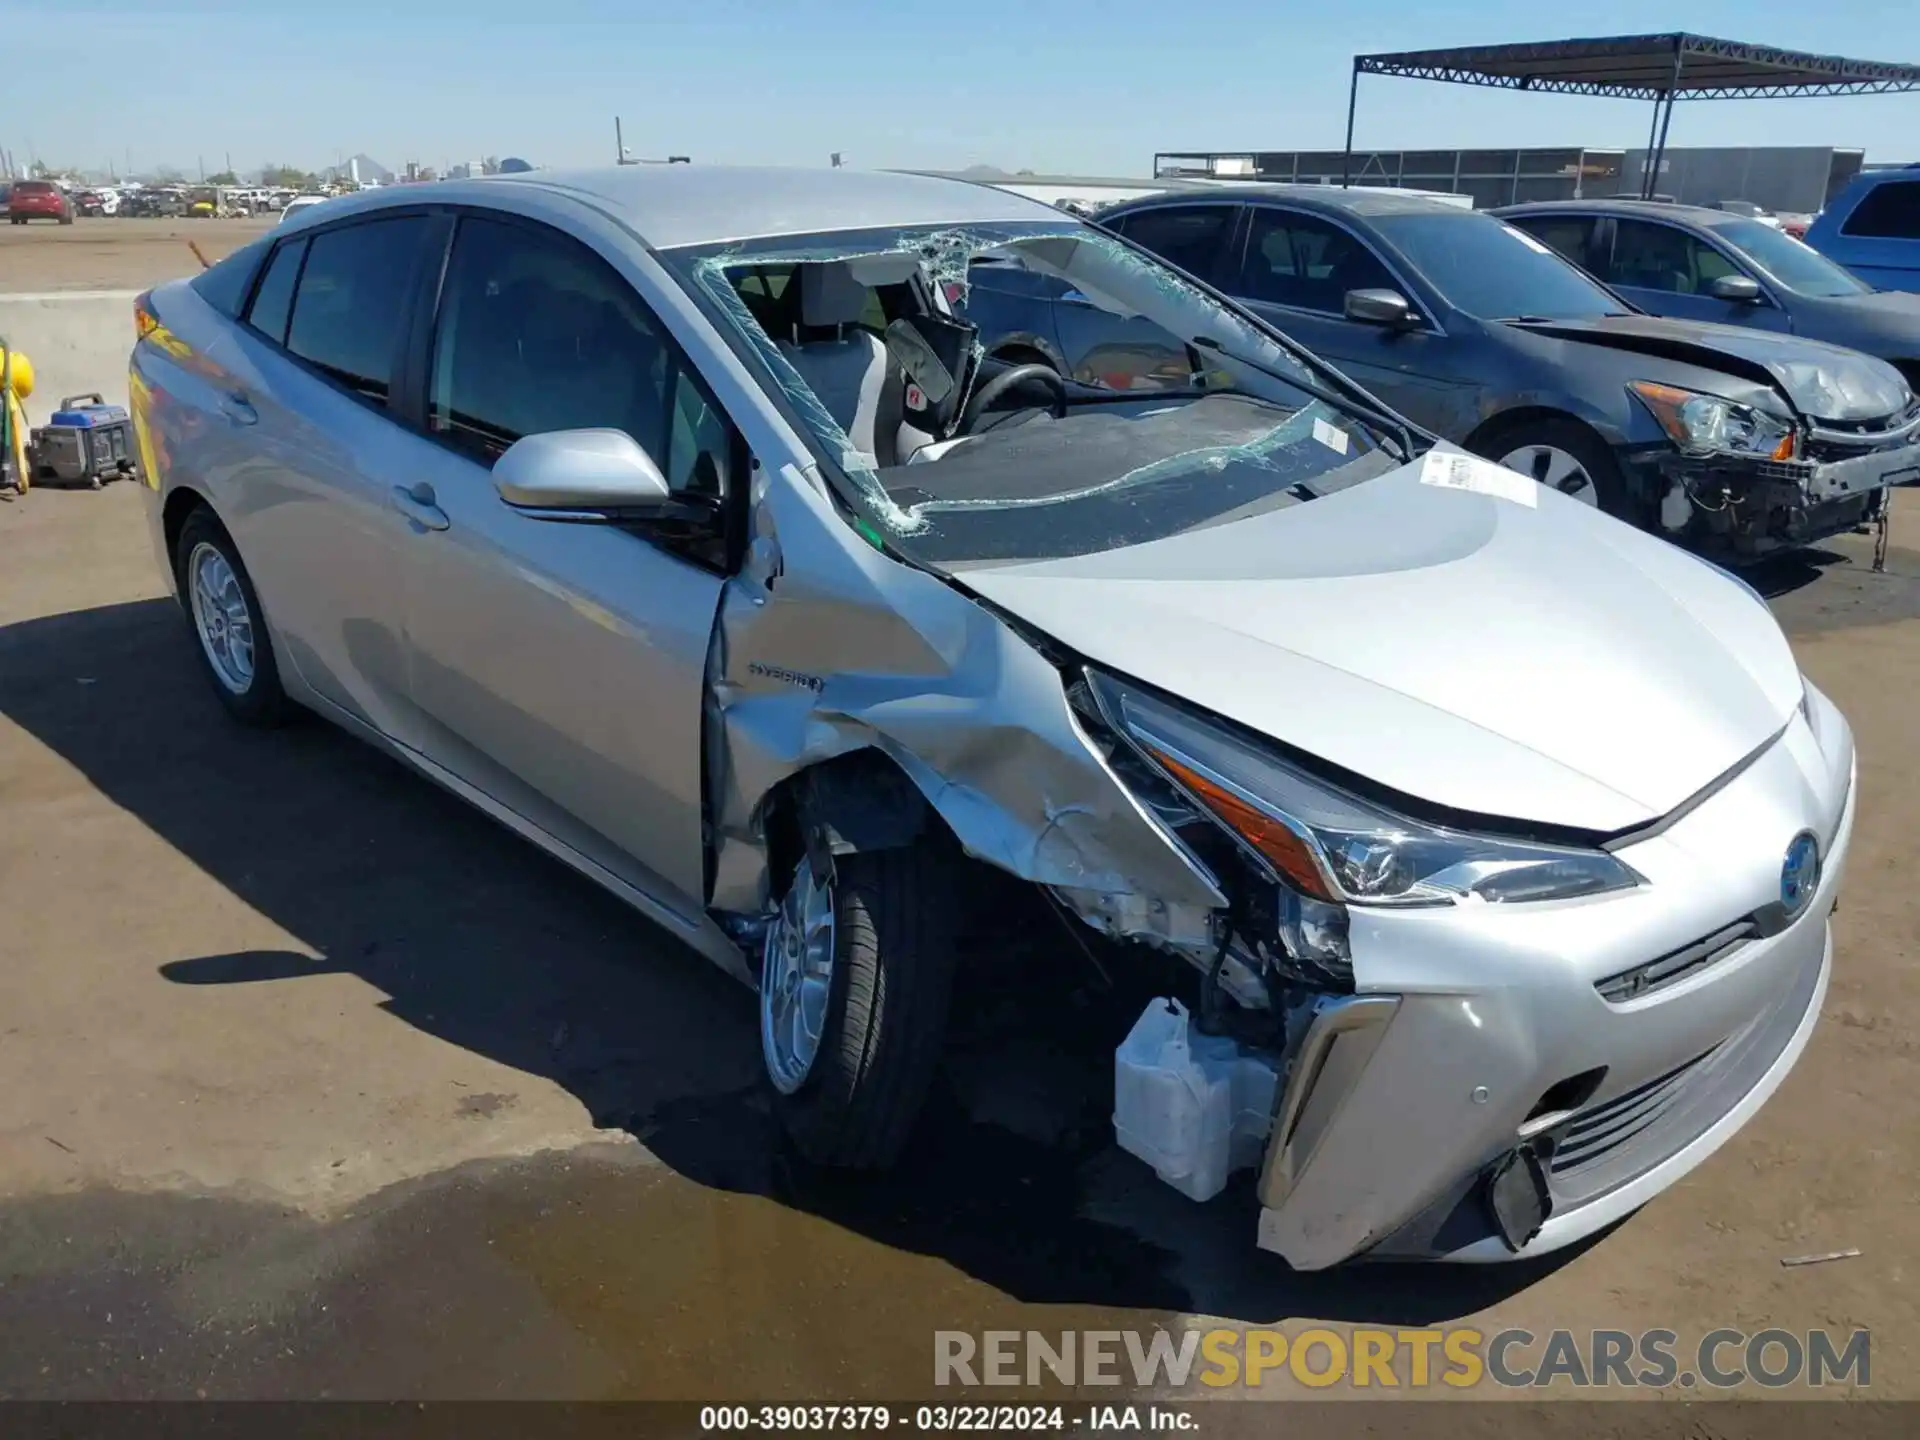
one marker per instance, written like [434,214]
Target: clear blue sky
[1094,87]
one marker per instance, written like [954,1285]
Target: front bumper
[1758,505]
[1471,1021]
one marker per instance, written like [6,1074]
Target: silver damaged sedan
[674,518]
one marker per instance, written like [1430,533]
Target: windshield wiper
[1383,424]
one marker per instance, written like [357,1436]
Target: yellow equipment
[16,383]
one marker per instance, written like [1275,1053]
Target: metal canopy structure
[1660,68]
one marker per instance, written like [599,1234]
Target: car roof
[675,205]
[1626,205]
[1362,200]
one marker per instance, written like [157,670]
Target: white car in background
[301,202]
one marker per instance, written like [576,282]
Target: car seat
[845,364]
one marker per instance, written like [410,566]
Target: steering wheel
[1005,381]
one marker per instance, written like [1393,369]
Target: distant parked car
[1711,265]
[90,202]
[38,200]
[1728,439]
[1873,228]
[301,202]
[1748,209]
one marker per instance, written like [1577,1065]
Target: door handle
[418,504]
[237,408]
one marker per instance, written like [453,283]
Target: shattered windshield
[1029,390]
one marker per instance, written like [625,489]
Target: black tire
[887,1014]
[262,703]
[1577,440]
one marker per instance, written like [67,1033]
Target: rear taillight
[145,322]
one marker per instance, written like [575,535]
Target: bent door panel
[561,667]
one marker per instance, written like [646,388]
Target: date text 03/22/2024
[945,1419]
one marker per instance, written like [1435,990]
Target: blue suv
[1873,228]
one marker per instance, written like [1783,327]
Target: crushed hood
[1824,382]
[1537,662]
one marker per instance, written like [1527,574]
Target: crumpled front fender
[825,645]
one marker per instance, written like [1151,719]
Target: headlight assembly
[1701,424]
[1332,847]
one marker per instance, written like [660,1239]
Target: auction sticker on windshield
[1451,470]
[1331,436]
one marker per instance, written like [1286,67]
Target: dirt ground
[314,1082]
[108,253]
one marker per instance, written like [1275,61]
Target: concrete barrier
[78,342]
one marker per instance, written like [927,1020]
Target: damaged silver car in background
[676,519]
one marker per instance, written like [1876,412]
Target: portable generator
[86,442]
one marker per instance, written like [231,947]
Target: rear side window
[1887,212]
[273,303]
[351,306]
[224,286]
[1191,237]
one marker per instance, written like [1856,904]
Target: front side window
[1651,256]
[351,306]
[1190,236]
[537,334]
[1307,263]
[1887,212]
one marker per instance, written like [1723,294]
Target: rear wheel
[1566,456]
[854,983]
[225,613]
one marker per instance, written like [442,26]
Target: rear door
[1667,270]
[560,668]
[1296,270]
[1879,239]
[310,500]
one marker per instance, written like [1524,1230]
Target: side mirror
[1740,289]
[1387,308]
[582,475]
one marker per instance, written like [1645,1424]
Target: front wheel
[1565,455]
[855,979]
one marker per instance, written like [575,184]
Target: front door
[561,668]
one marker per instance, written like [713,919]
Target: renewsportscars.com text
[1458,1357]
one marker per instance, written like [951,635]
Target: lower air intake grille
[1599,1131]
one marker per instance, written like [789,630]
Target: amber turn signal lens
[1286,851]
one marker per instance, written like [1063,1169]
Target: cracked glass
[1146,407]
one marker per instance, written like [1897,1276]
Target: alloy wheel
[796,979]
[221,617]
[1556,469]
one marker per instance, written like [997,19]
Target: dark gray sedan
[1698,264]
[1736,440]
